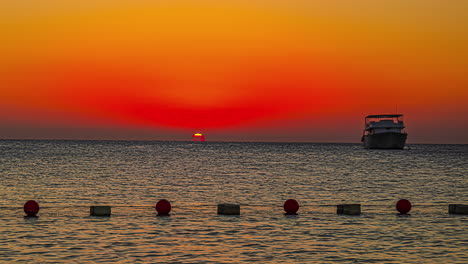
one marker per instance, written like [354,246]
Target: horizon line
[208,141]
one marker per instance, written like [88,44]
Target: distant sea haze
[66,177]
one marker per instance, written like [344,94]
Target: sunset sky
[235,70]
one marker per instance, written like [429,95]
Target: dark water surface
[66,177]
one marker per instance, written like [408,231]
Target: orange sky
[233,69]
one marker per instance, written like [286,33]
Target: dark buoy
[348,209]
[291,206]
[228,209]
[31,208]
[458,209]
[403,206]
[99,210]
[163,207]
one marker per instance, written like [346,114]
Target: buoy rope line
[215,205]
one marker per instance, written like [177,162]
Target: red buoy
[31,208]
[291,206]
[403,206]
[163,207]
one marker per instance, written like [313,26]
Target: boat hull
[389,140]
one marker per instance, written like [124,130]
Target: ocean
[67,177]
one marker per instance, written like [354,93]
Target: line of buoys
[290,206]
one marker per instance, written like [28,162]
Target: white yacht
[384,132]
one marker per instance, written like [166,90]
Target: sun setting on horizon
[236,70]
[198,137]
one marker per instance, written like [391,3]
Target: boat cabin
[376,124]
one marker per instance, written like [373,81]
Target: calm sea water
[66,177]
